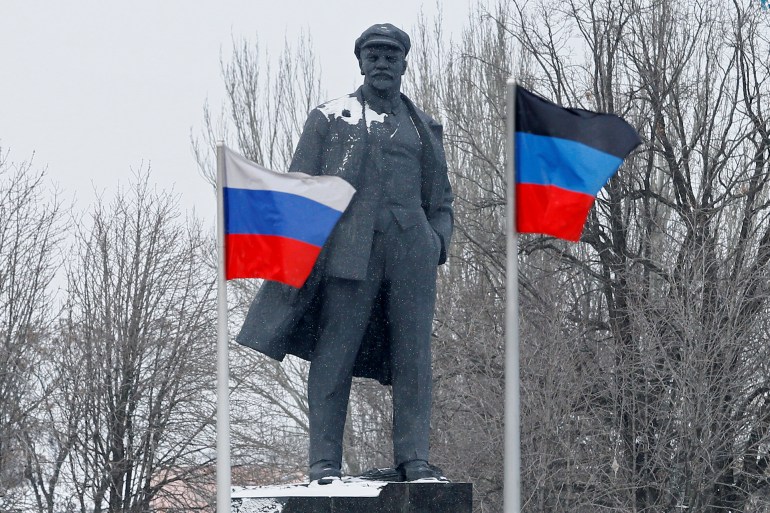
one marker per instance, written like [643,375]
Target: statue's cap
[383,34]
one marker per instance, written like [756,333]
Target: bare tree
[136,356]
[644,375]
[267,102]
[30,230]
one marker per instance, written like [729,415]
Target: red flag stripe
[270,257]
[551,210]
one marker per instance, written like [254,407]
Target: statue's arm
[308,154]
[442,220]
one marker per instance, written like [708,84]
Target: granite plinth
[352,496]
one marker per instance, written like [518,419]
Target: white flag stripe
[241,173]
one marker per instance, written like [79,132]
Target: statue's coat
[284,320]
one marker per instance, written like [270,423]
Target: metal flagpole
[512,458]
[223,368]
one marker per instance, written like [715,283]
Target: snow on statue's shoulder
[349,110]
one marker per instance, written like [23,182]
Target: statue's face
[382,67]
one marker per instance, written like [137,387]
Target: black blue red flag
[563,159]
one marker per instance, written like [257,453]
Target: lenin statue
[367,307]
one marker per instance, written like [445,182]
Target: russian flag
[563,158]
[277,223]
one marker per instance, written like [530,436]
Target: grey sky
[98,88]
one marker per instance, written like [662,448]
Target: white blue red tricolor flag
[563,159]
[275,224]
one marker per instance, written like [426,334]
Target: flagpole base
[355,497]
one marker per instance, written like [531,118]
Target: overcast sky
[97,89]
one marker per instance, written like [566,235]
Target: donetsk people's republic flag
[277,223]
[563,158]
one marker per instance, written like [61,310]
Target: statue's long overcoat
[283,319]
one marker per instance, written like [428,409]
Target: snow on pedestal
[353,495]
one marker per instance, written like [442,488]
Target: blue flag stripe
[263,212]
[564,163]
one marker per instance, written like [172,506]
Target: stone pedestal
[355,496]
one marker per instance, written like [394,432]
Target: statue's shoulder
[424,117]
[348,108]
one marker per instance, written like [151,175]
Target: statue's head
[381,51]
[383,34]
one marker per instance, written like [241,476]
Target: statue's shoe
[422,472]
[324,473]
[381,474]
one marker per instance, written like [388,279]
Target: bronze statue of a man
[367,308]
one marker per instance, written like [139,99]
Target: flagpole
[512,457]
[223,368]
